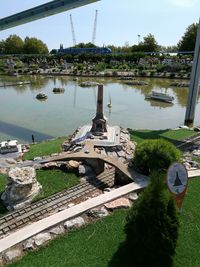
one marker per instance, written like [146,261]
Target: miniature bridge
[87,153]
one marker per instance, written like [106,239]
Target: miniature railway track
[54,203]
[189,142]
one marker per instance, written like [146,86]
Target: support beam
[194,83]
[42,11]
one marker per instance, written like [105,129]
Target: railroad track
[54,203]
[189,142]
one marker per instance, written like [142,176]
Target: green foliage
[34,46]
[97,244]
[85,45]
[152,227]
[187,42]
[13,45]
[44,148]
[100,66]
[155,155]
[149,44]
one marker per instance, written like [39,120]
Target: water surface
[22,115]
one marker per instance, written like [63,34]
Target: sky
[119,21]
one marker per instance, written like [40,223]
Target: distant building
[9,146]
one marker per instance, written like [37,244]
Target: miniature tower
[99,124]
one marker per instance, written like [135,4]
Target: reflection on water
[155,103]
[61,114]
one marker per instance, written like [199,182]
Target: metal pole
[194,83]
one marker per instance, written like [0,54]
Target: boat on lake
[57,90]
[41,96]
[160,97]
[88,84]
[109,105]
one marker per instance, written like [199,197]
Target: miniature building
[9,146]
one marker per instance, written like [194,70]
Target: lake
[61,114]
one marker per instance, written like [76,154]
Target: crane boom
[95,27]
[73,32]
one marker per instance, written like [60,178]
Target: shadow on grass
[121,257]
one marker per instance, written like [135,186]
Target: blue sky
[119,22]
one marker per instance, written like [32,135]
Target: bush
[155,155]
[152,227]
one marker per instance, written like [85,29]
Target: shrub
[155,155]
[152,227]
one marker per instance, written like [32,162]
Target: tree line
[31,45]
[15,45]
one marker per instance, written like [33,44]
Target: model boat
[41,96]
[160,97]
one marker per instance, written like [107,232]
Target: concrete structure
[99,124]
[194,83]
[100,134]
[42,11]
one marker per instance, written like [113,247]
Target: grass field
[170,135]
[44,148]
[54,181]
[96,244]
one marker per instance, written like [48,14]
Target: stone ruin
[22,186]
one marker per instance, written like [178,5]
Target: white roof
[9,143]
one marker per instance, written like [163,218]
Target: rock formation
[22,186]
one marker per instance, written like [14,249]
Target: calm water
[21,115]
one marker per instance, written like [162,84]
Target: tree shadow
[121,258]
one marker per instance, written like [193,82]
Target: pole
[194,83]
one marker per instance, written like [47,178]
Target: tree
[2,47]
[34,46]
[149,44]
[13,45]
[152,227]
[85,45]
[187,42]
[155,155]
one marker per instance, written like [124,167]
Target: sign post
[177,181]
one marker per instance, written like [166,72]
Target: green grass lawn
[44,148]
[54,181]
[96,244]
[170,135]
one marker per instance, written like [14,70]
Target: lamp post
[138,38]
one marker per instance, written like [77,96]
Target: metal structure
[42,11]
[95,27]
[72,28]
[194,83]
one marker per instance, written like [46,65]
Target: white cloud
[184,3]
